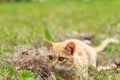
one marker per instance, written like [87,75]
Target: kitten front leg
[112,66]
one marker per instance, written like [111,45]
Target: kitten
[74,53]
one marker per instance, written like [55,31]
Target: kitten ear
[49,44]
[70,47]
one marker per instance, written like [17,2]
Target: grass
[26,23]
[22,23]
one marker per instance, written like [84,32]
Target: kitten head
[61,54]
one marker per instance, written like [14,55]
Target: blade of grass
[47,34]
[46,30]
[9,68]
[2,71]
[57,74]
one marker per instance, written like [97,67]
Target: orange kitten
[74,53]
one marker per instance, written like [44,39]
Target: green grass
[25,23]
[22,23]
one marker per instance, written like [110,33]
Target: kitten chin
[61,68]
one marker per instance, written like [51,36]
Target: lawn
[26,23]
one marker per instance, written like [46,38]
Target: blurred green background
[28,21]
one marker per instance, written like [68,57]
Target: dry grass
[33,59]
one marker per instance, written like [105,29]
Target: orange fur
[74,53]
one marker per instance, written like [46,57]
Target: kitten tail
[103,45]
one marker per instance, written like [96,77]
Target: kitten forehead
[58,47]
[60,52]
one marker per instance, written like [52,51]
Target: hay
[33,59]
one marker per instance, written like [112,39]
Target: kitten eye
[50,57]
[61,59]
